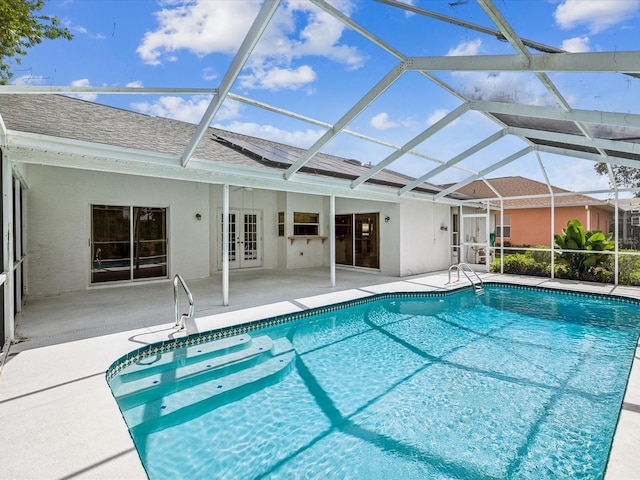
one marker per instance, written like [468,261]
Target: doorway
[128,243]
[245,238]
[358,240]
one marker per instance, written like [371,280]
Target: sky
[309,63]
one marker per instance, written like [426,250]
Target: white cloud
[83,31]
[136,84]
[297,29]
[408,13]
[576,45]
[471,47]
[208,74]
[382,122]
[438,114]
[84,82]
[299,138]
[278,78]
[187,110]
[320,36]
[504,87]
[597,15]
[199,27]
[28,80]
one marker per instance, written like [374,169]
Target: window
[306,223]
[281,224]
[505,223]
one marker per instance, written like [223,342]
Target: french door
[245,238]
[128,243]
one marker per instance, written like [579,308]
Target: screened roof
[554,128]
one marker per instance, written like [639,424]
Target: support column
[616,219]
[462,256]
[225,245]
[7,248]
[332,239]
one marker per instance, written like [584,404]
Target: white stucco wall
[59,223]
[389,231]
[424,247]
[301,254]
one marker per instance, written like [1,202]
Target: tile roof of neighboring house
[71,118]
[519,187]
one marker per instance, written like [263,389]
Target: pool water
[512,383]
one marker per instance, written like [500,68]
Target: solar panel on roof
[267,152]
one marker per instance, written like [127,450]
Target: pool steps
[210,375]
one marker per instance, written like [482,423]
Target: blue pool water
[513,383]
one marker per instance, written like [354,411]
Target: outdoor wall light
[386,219]
[444,227]
[198,216]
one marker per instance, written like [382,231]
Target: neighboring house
[527,221]
[102,198]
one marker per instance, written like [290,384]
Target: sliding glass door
[358,240]
[128,243]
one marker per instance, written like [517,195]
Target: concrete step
[183,405]
[202,367]
[184,356]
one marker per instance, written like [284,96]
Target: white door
[245,238]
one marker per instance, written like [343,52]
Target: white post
[225,245]
[487,256]
[553,238]
[332,239]
[462,257]
[502,235]
[616,219]
[7,237]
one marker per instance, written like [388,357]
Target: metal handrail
[460,266]
[181,319]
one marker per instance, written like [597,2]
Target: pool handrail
[461,266]
[181,319]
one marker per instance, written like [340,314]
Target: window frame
[308,228]
[506,227]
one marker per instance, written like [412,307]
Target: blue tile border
[211,335]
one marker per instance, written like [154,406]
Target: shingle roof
[72,118]
[519,187]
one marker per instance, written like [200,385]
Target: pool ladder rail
[181,319]
[465,267]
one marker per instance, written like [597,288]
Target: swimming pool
[514,383]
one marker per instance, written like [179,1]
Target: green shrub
[563,270]
[598,274]
[521,264]
[541,257]
[629,269]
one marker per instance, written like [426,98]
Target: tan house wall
[531,226]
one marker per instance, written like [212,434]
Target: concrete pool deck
[57,412]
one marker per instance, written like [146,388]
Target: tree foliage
[627,177]
[21,29]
